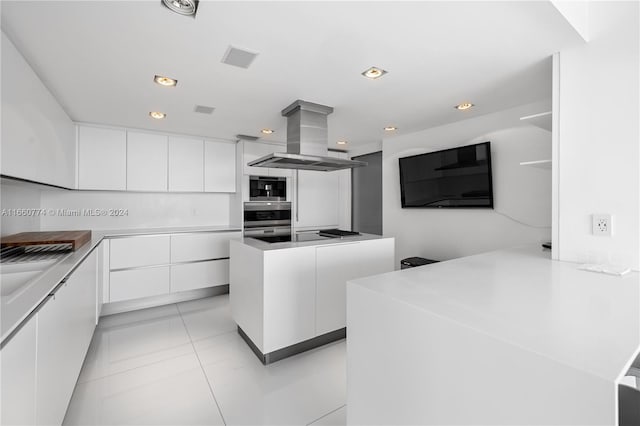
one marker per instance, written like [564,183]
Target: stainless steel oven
[270,220]
[267,188]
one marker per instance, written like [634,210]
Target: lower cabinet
[338,263]
[65,326]
[137,283]
[18,373]
[191,276]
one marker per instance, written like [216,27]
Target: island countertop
[587,320]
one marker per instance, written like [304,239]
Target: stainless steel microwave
[267,188]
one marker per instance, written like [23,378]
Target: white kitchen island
[291,296]
[502,338]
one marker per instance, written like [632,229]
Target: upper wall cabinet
[102,158]
[38,137]
[186,165]
[146,162]
[219,167]
[255,150]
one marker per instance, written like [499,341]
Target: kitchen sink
[17,276]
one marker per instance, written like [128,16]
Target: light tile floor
[184,364]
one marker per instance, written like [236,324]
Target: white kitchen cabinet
[137,283]
[38,137]
[201,246]
[18,372]
[186,165]
[254,150]
[338,263]
[219,167]
[146,162]
[65,326]
[133,252]
[191,276]
[323,199]
[102,158]
[289,297]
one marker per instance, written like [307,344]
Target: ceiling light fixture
[390,128]
[165,81]
[183,7]
[157,115]
[341,142]
[374,72]
[267,131]
[463,106]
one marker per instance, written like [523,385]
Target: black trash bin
[412,262]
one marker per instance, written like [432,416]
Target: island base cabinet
[18,372]
[335,265]
[65,326]
[289,297]
[138,283]
[191,276]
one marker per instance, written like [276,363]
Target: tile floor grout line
[202,368]
[325,415]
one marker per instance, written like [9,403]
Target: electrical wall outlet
[602,225]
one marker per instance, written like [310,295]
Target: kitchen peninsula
[503,338]
[288,297]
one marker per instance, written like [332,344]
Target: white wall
[38,137]
[18,195]
[599,138]
[145,210]
[524,193]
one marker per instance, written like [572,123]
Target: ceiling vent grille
[238,57]
[204,109]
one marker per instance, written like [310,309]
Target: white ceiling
[99,58]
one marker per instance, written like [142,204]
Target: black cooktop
[336,233]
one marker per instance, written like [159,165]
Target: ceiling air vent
[204,109]
[238,57]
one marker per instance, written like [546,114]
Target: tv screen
[457,177]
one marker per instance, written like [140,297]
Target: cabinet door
[65,327]
[186,165]
[132,252]
[190,276]
[338,263]
[146,162]
[289,297]
[318,199]
[18,372]
[201,246]
[102,158]
[219,167]
[137,283]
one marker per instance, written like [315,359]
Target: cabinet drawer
[191,276]
[137,283]
[139,251]
[204,246]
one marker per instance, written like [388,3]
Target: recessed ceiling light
[390,128]
[267,131]
[183,7]
[165,81]
[341,142]
[157,115]
[374,73]
[463,106]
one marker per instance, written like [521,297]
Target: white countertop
[262,245]
[16,310]
[587,320]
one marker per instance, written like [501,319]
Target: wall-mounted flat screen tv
[457,177]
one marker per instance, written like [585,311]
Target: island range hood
[307,138]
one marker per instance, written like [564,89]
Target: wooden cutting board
[75,238]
